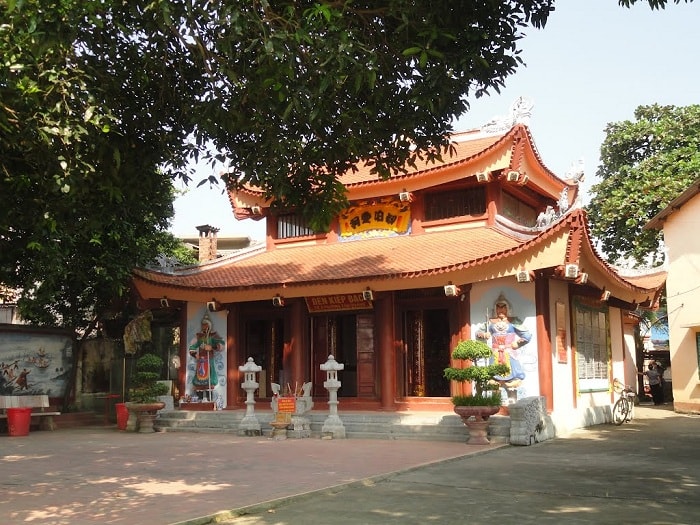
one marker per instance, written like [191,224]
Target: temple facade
[488,243]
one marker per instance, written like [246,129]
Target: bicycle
[623,409]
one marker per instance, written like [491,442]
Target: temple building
[488,243]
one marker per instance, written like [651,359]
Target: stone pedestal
[476,418]
[333,428]
[279,429]
[478,432]
[301,425]
[142,416]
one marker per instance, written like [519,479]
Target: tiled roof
[400,256]
[468,149]
[463,152]
[651,280]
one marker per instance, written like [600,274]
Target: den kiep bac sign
[337,302]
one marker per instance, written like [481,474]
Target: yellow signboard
[387,214]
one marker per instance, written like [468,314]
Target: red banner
[286,404]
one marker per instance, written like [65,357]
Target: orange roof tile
[652,280]
[469,148]
[400,256]
[463,152]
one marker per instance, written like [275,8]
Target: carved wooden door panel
[322,347]
[366,357]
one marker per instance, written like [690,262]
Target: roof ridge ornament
[164,264]
[576,173]
[549,216]
[520,113]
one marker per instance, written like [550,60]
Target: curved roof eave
[518,141]
[636,285]
[342,264]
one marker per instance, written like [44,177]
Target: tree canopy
[645,164]
[104,102]
[654,4]
[286,94]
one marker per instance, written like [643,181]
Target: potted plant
[143,396]
[476,408]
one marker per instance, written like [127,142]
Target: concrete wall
[683,302]
[573,409]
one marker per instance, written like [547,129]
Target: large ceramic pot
[477,420]
[142,415]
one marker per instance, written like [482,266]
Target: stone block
[529,421]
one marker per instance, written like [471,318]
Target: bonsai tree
[481,372]
[146,386]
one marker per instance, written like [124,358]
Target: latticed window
[455,203]
[292,225]
[592,346]
[517,211]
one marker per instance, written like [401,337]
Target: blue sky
[594,63]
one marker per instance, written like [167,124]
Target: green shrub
[146,386]
[480,374]
[494,399]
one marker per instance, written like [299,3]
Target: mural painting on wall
[508,328]
[206,357]
[34,364]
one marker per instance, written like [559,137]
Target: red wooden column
[463,333]
[544,341]
[385,334]
[182,371]
[296,346]
[233,360]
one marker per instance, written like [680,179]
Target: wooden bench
[39,405]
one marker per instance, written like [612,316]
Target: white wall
[571,409]
[683,302]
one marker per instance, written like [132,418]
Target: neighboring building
[680,217]
[416,263]
[209,246]
[9,313]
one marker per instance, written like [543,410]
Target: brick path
[101,475]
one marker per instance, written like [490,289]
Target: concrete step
[420,426]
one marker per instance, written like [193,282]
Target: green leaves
[481,368]
[654,4]
[645,164]
[103,102]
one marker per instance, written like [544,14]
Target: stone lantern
[332,426]
[250,426]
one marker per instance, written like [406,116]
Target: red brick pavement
[101,475]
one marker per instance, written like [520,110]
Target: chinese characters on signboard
[382,216]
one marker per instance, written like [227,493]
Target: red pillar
[182,371]
[296,347]
[233,360]
[464,333]
[544,341]
[386,337]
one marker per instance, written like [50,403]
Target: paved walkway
[102,475]
[647,471]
